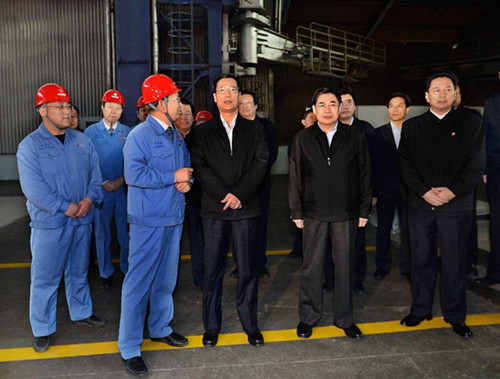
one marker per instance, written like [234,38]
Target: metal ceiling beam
[380,17]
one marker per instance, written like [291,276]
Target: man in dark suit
[491,125]
[387,190]
[248,109]
[230,157]
[441,160]
[329,192]
[347,111]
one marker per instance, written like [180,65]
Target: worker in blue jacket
[60,177]
[157,173]
[108,137]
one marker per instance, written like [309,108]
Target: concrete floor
[434,353]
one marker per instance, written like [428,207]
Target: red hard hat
[113,96]
[140,102]
[203,116]
[156,87]
[50,93]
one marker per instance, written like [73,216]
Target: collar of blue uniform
[46,134]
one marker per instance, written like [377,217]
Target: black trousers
[216,235]
[195,232]
[452,230]
[385,218]
[316,234]
[493,191]
[265,198]
[472,240]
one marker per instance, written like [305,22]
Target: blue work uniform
[110,151]
[155,213]
[52,176]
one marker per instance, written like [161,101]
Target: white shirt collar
[440,116]
[163,124]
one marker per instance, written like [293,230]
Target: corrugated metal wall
[49,41]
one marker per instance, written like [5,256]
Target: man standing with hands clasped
[157,174]
[441,160]
[230,156]
[329,192]
[60,177]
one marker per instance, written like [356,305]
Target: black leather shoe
[304,330]
[358,289]
[210,339]
[173,339]
[351,331]
[136,367]
[256,338]
[487,281]
[412,320]
[234,273]
[380,274]
[264,273]
[41,344]
[460,328]
[107,282]
[93,320]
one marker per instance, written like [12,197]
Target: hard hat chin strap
[168,117]
[48,118]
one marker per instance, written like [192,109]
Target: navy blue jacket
[491,125]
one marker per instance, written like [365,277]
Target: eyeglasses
[223,90]
[333,104]
[174,99]
[60,108]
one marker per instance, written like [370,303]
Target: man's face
[226,95]
[58,113]
[142,113]
[326,110]
[112,112]
[397,109]
[440,95]
[347,108]
[185,121]
[74,120]
[309,120]
[173,106]
[247,107]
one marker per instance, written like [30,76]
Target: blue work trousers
[54,252]
[151,276]
[114,204]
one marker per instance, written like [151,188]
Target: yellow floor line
[230,339]
[183,257]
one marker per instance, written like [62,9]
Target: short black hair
[76,109]
[226,76]
[347,91]
[443,74]
[306,113]
[325,90]
[191,105]
[402,95]
[254,96]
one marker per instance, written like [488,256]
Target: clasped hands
[113,185]
[183,179]
[79,211]
[299,223]
[438,196]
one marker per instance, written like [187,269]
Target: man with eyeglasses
[441,160]
[329,192]
[60,177]
[230,157]
[158,175]
[347,111]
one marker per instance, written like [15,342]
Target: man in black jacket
[387,190]
[441,157]
[329,192]
[346,116]
[230,157]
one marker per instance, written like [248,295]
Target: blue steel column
[133,52]
[214,31]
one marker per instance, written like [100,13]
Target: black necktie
[111,130]
[170,133]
